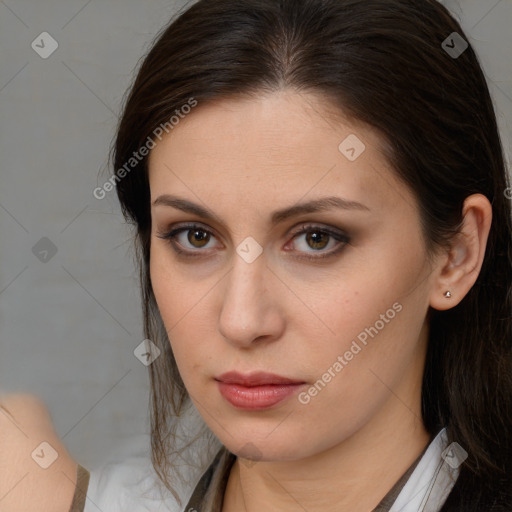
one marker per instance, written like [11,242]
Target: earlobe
[460,266]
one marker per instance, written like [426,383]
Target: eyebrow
[316,205]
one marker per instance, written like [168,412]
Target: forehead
[280,147]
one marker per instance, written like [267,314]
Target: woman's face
[299,254]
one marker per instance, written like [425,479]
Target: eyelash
[340,237]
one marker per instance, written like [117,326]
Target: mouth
[256,391]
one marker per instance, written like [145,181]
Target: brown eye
[198,237]
[191,240]
[316,242]
[317,239]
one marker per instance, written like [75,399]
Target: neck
[352,476]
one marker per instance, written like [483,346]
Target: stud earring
[447,294]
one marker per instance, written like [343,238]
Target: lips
[255,379]
[256,391]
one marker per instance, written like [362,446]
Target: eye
[313,239]
[188,239]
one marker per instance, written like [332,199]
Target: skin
[25,423]
[243,159]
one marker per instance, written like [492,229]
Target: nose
[250,310]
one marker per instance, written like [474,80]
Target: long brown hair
[382,62]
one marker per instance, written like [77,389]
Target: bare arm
[36,470]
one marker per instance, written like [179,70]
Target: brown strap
[221,467]
[390,498]
[82,484]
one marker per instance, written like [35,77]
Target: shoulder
[131,481]
[36,470]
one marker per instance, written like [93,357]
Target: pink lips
[257,390]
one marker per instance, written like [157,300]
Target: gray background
[69,326]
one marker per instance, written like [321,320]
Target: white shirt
[132,485]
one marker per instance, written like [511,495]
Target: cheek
[352,374]
[371,316]
[177,293]
[181,301]
[342,303]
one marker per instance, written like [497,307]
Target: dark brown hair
[381,62]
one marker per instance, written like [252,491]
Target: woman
[319,197]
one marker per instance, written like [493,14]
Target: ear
[459,266]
